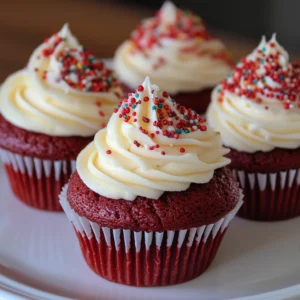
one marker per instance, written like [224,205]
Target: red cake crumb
[39,145]
[265,162]
[200,204]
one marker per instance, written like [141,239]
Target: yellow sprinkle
[79,65]
[131,46]
[245,82]
[199,40]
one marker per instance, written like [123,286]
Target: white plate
[40,259]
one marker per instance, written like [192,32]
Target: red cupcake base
[156,266]
[198,101]
[270,196]
[35,182]
[147,258]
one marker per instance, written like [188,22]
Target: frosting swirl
[176,50]
[257,108]
[64,90]
[151,145]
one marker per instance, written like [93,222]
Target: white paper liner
[286,178]
[88,228]
[26,164]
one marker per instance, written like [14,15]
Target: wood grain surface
[99,25]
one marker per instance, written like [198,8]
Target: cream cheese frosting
[175,49]
[257,108]
[64,90]
[151,145]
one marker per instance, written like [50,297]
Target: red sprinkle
[286,105]
[146,120]
[108,151]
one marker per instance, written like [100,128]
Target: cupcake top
[151,145]
[257,107]
[176,50]
[64,90]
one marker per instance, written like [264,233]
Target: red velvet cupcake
[257,111]
[49,113]
[176,51]
[151,200]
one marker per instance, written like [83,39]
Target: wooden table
[99,25]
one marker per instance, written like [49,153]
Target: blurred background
[102,25]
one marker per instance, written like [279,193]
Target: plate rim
[13,290]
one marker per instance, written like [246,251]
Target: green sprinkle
[87,89]
[133,106]
[178,131]
[160,105]
[219,90]
[137,95]
[153,107]
[92,59]
[262,61]
[263,49]
[85,67]
[229,75]
[186,131]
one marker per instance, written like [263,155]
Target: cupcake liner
[37,182]
[147,258]
[270,196]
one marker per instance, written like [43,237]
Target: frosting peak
[168,13]
[170,23]
[65,90]
[63,63]
[266,49]
[151,145]
[266,75]
[257,107]
[175,48]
